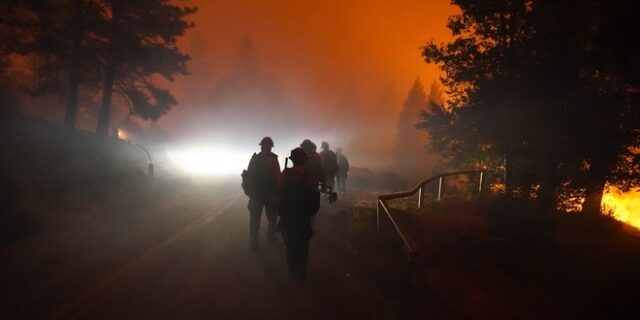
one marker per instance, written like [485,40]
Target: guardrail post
[420,188]
[378,215]
[149,163]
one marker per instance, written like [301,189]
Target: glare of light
[209,161]
[122,134]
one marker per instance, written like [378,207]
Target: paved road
[187,257]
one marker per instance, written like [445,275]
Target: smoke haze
[326,70]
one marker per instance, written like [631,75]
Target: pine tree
[556,99]
[410,154]
[140,42]
[54,31]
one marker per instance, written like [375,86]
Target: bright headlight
[209,160]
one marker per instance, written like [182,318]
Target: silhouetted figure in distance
[259,183]
[329,165]
[314,162]
[297,191]
[314,166]
[343,171]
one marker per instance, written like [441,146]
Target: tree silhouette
[248,95]
[113,45]
[553,99]
[54,31]
[246,65]
[5,50]
[410,153]
[194,89]
[435,95]
[140,42]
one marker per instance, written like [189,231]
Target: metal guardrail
[149,163]
[383,202]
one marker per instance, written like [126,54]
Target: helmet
[307,145]
[325,145]
[266,141]
[297,155]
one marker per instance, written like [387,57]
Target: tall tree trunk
[546,195]
[74,82]
[107,94]
[110,71]
[508,175]
[595,189]
[593,197]
[550,181]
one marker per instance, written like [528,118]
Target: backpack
[248,181]
[298,195]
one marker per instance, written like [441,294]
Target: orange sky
[320,51]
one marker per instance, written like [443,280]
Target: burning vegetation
[624,206]
[562,134]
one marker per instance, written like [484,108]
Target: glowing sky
[323,53]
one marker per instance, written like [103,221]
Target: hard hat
[298,154]
[266,141]
[306,143]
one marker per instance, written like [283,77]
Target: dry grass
[503,260]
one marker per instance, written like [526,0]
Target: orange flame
[624,206]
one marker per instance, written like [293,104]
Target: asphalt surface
[185,256]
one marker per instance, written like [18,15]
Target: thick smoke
[334,71]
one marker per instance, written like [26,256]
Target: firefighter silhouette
[297,192]
[343,171]
[259,183]
[329,165]
[313,163]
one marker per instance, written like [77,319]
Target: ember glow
[624,206]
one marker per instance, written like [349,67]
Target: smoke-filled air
[319,159]
[323,70]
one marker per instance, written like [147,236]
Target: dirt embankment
[52,176]
[496,260]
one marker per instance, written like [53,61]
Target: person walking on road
[329,165]
[297,191]
[343,171]
[313,164]
[259,183]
